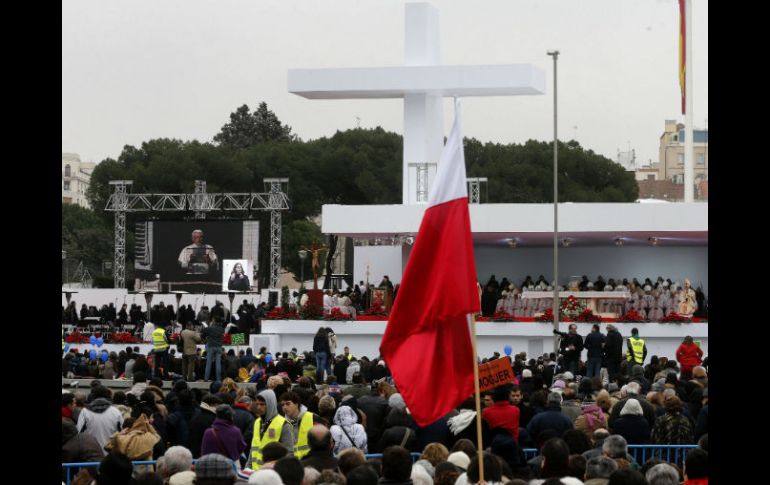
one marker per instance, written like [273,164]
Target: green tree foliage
[358,166]
[247,129]
[87,238]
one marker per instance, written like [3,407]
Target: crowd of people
[295,425]
[651,299]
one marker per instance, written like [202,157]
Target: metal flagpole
[555,306]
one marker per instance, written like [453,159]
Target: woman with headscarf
[591,418]
[224,437]
[346,432]
[632,424]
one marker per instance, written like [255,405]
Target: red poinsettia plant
[632,316]
[587,315]
[501,316]
[376,309]
[278,313]
[675,317]
[76,338]
[311,312]
[336,314]
[545,317]
[123,338]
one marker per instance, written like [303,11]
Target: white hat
[647,288]
[568,376]
[459,459]
[526,373]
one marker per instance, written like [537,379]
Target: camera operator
[570,347]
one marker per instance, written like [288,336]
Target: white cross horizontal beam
[397,81]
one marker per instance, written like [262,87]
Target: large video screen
[196,256]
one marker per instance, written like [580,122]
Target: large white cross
[422,82]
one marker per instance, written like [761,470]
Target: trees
[247,129]
[357,166]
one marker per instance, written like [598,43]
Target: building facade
[75,179]
[665,179]
[671,154]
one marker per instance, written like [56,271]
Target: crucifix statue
[314,250]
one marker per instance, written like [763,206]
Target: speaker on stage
[272,298]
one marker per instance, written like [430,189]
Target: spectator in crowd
[100,419]
[346,432]
[190,340]
[627,477]
[662,474]
[321,456]
[214,337]
[223,437]
[290,470]
[552,418]
[689,356]
[177,465]
[631,425]
[613,350]
[673,427]
[555,463]
[502,414]
[396,466]
[594,344]
[350,458]
[599,469]
[78,447]
[214,469]
[696,467]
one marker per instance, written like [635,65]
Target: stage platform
[535,338]
[363,337]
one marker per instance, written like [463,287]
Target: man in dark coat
[571,348]
[594,344]
[613,350]
[321,458]
[552,418]
[203,421]
[376,408]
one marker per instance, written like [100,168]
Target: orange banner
[495,373]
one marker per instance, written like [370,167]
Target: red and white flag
[427,343]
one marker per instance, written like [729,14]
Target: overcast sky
[142,69]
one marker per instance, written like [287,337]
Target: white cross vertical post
[422,82]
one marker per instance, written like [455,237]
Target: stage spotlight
[653,240]
[513,243]
[618,241]
[566,242]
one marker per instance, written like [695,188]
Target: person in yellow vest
[160,350]
[62,340]
[637,350]
[269,427]
[301,421]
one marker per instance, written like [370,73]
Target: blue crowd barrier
[641,453]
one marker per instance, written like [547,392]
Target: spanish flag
[682,40]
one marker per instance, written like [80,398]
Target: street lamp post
[302,257]
[555,55]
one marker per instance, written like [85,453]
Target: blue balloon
[268,358]
[104,356]
[99,342]
[508,350]
[92,354]
[92,340]
[66,347]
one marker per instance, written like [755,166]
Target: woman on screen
[238,280]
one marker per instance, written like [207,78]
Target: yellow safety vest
[638,346]
[258,443]
[301,448]
[159,339]
[62,339]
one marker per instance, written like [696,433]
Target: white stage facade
[535,338]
